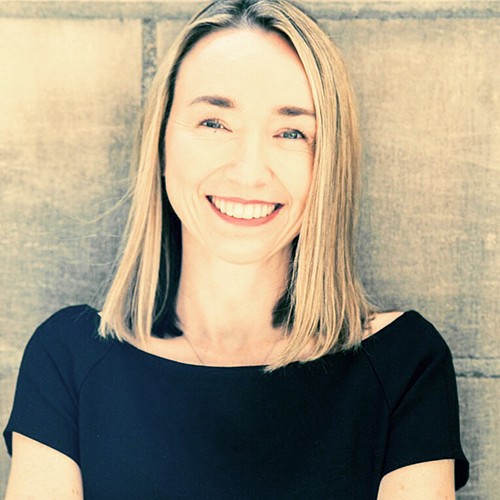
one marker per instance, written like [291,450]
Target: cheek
[295,173]
[302,188]
[189,159]
[302,191]
[183,168]
[178,179]
[179,155]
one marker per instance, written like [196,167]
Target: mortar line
[472,368]
[173,10]
[149,55]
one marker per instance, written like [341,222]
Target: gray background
[427,77]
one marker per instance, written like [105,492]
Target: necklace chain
[204,364]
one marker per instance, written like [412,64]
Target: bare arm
[430,480]
[42,473]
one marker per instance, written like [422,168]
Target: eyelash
[214,120]
[293,130]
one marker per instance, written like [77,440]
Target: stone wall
[427,76]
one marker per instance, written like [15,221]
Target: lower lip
[245,222]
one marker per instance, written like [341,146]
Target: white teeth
[238,210]
[243,211]
[249,211]
[266,210]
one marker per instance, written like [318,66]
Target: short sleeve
[46,402]
[424,421]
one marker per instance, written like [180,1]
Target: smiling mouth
[245,211]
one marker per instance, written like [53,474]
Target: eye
[212,123]
[293,134]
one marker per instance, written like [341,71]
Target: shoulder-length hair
[323,298]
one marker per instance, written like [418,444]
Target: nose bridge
[249,165]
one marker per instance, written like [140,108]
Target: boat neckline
[252,368]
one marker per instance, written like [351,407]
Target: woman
[236,355]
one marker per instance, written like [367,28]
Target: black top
[144,427]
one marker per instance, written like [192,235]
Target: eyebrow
[224,102]
[214,100]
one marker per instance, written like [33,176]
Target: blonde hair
[324,299]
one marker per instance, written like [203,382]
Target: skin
[245,150]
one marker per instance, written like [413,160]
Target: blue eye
[293,134]
[211,123]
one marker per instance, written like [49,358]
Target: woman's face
[240,145]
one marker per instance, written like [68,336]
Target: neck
[227,308]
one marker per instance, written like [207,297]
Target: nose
[248,166]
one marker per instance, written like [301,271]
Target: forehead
[243,63]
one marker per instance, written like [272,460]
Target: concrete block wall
[427,77]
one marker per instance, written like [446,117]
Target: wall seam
[149,55]
[338,11]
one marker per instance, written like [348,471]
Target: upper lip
[242,201]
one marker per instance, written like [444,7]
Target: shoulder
[70,324]
[76,314]
[404,349]
[381,320]
[402,331]
[69,338]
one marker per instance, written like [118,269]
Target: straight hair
[323,298]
